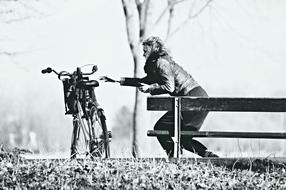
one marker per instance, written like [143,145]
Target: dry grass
[17,173]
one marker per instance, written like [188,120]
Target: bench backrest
[218,104]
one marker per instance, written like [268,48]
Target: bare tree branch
[170,19]
[145,25]
[11,56]
[201,10]
[17,19]
[162,15]
[17,11]
[139,5]
[15,53]
[171,3]
[132,20]
[4,12]
[190,17]
[6,53]
[31,8]
[143,8]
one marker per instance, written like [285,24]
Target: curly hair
[158,50]
[157,45]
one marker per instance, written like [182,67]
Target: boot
[209,154]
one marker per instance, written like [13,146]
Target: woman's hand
[145,88]
[107,79]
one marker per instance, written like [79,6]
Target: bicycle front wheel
[80,139]
[100,140]
[81,135]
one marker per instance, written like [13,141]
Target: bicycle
[89,136]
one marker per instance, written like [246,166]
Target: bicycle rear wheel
[99,146]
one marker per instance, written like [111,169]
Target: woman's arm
[125,81]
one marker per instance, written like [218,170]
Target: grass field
[19,173]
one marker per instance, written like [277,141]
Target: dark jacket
[165,76]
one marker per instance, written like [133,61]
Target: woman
[164,76]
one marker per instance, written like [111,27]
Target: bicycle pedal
[109,134]
[69,112]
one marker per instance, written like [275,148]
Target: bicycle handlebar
[65,73]
[47,70]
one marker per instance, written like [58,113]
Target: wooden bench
[222,104]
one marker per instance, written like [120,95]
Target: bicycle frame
[80,101]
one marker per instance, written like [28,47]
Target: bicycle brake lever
[94,68]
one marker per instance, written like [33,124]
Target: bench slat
[218,104]
[221,134]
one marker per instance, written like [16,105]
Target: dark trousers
[190,121]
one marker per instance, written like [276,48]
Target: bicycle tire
[100,143]
[76,143]
[81,135]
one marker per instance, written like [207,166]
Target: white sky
[235,43]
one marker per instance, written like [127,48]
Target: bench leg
[177,127]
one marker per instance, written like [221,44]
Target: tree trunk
[133,33]
[137,106]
